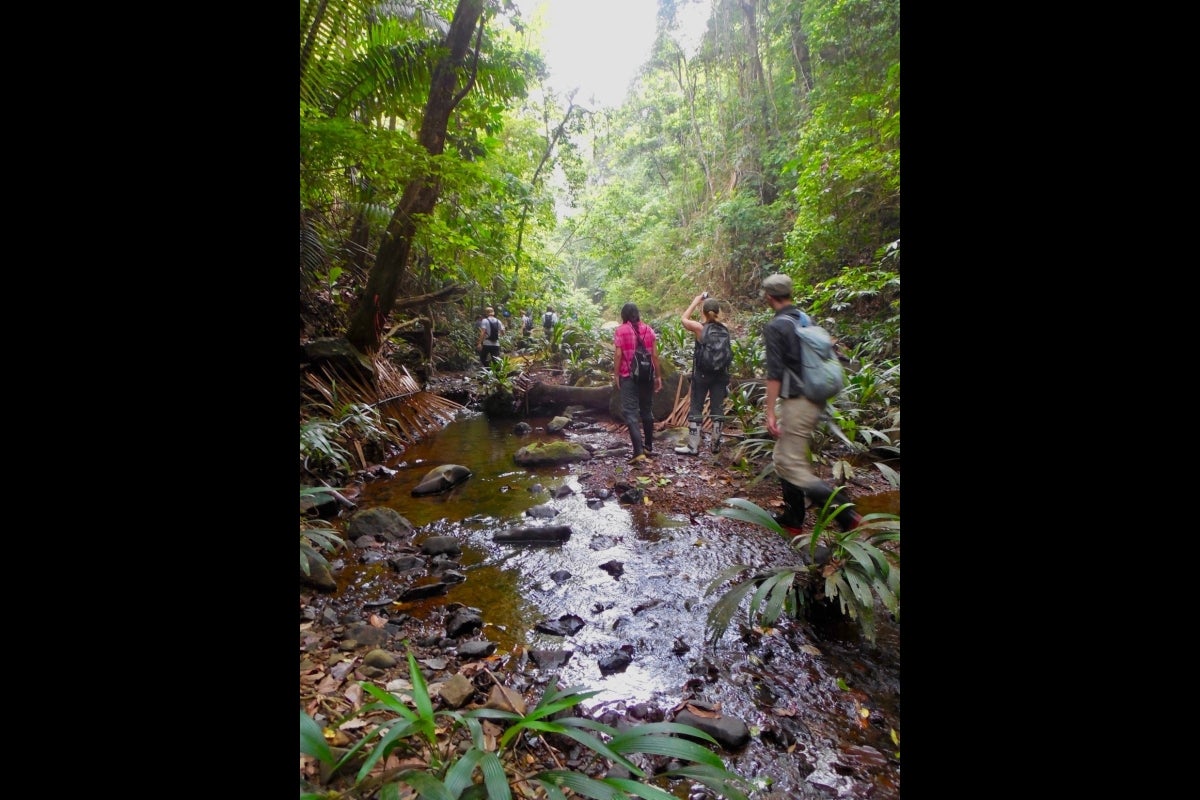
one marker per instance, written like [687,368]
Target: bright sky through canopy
[597,45]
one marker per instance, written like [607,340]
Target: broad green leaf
[639,789]
[725,783]
[429,787]
[458,777]
[494,777]
[312,740]
[582,784]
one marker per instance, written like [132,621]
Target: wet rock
[457,691]
[679,647]
[542,512]
[595,504]
[380,659]
[367,635]
[318,577]
[560,576]
[551,453]
[557,424]
[441,479]
[614,568]
[522,428]
[731,733]
[537,488]
[427,590]
[441,545]
[615,663]
[406,563]
[476,648]
[647,712]
[463,623]
[544,534]
[563,491]
[380,523]
[566,625]
[632,496]
[550,659]
[453,576]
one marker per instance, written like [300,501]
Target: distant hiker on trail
[637,392]
[710,372]
[549,320]
[798,415]
[488,344]
[526,323]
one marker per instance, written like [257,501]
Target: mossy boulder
[551,453]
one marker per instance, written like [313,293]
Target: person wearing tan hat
[796,417]
[711,386]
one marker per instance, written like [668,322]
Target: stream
[823,713]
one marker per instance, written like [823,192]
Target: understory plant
[454,746]
[851,570]
[316,534]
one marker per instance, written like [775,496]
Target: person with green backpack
[797,415]
[710,372]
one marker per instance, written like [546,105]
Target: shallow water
[821,710]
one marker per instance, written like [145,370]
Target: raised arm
[692,325]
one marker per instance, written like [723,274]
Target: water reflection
[637,578]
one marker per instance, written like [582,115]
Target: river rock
[464,622]
[730,732]
[544,534]
[550,658]
[457,691]
[441,479]
[542,512]
[551,453]
[476,648]
[441,545]
[379,523]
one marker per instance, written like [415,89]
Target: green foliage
[326,441]
[316,534]
[320,448]
[858,570]
[413,725]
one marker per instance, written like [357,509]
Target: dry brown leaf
[352,724]
[784,712]
[377,621]
[704,712]
[472,669]
[354,694]
[505,699]
[808,648]
[329,685]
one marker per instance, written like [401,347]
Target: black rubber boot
[793,512]
[846,519]
[648,435]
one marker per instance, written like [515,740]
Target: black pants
[637,405]
[711,386]
[489,352]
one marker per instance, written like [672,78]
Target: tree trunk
[546,394]
[421,194]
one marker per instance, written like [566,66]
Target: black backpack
[714,351]
[641,367]
[493,329]
[548,319]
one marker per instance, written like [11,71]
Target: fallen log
[603,398]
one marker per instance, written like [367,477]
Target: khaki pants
[797,418]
